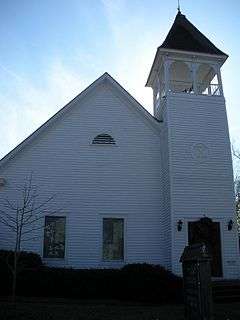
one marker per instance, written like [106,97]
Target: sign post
[197,282]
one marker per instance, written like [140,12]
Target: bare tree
[235,152]
[236,156]
[23,217]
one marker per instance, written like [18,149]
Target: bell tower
[196,156]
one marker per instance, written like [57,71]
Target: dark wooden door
[208,232]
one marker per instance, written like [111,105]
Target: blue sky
[51,50]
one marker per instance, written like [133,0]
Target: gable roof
[184,36]
[105,77]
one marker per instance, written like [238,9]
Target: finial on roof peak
[178,8]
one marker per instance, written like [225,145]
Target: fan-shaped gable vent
[103,139]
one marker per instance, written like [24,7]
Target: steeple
[184,36]
[195,146]
[186,62]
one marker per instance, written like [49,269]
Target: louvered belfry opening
[103,139]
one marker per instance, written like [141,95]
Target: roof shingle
[184,36]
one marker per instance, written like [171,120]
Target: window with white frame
[54,237]
[113,239]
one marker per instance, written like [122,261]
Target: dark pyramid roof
[185,36]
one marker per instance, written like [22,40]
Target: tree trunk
[14,282]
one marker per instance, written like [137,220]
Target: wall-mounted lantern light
[179,225]
[230,225]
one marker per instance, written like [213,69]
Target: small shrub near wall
[135,282]
[150,283]
[28,260]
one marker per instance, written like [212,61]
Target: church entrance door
[208,232]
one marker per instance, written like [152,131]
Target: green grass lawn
[73,310]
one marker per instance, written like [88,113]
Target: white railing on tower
[211,89]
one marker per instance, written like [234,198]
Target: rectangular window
[113,239]
[54,237]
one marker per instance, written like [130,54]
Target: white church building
[131,187]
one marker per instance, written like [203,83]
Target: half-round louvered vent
[103,139]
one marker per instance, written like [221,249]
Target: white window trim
[52,260]
[113,262]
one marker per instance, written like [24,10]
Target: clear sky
[50,50]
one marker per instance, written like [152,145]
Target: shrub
[70,283]
[151,283]
[26,261]
[135,282]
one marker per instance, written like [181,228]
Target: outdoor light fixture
[179,225]
[230,225]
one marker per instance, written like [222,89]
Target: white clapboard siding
[94,181]
[166,212]
[201,188]
[149,177]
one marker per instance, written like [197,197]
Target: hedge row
[134,282]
